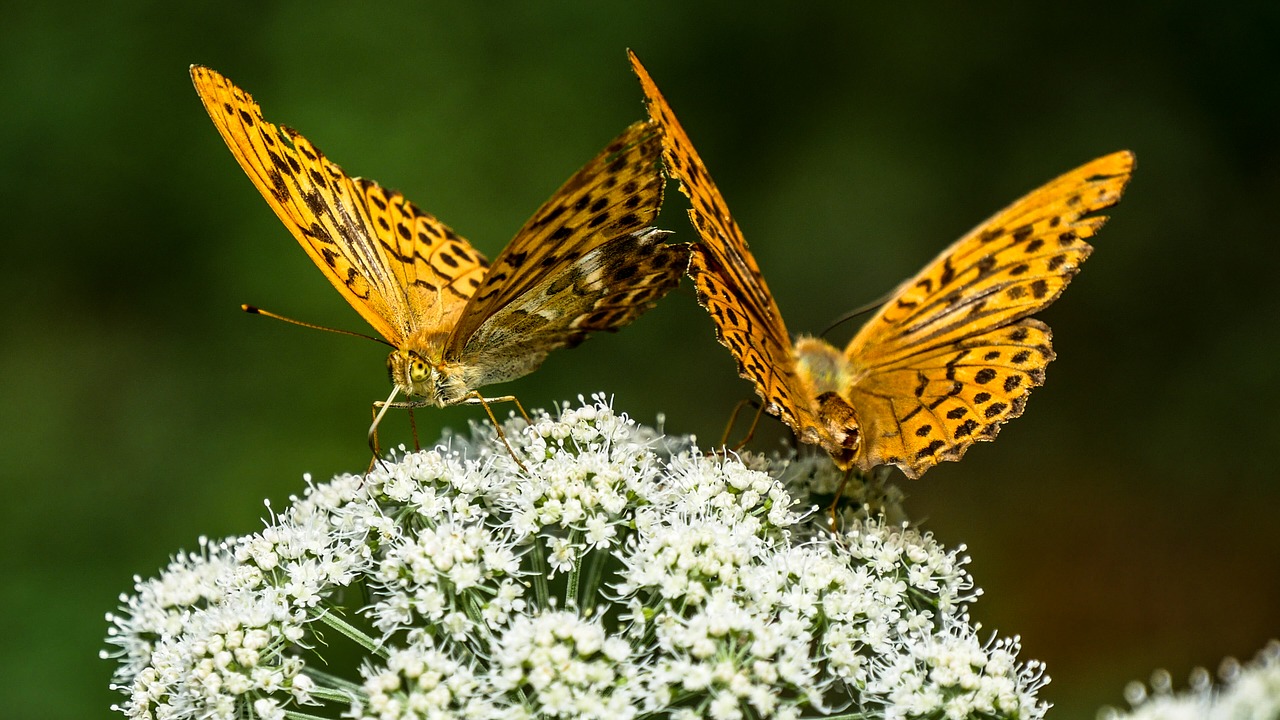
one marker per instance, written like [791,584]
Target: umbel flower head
[624,575]
[1245,692]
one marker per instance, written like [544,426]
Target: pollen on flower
[617,574]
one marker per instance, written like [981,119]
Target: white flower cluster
[619,575]
[1246,692]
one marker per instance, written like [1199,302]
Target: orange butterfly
[586,261]
[948,358]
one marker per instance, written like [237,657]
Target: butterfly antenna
[860,310]
[266,313]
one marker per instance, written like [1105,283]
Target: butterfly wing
[398,266]
[728,280]
[605,289]
[581,253]
[952,355]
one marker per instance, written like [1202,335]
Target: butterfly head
[418,376]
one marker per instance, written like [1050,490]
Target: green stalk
[338,683]
[571,588]
[295,715]
[541,590]
[332,620]
[595,571]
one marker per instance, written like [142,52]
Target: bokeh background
[1127,522]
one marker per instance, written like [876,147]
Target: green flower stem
[595,571]
[295,715]
[334,695]
[332,620]
[339,684]
[541,590]
[571,590]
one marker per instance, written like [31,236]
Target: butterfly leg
[751,431]
[373,430]
[413,425]
[380,409]
[835,502]
[376,458]
[733,418]
[523,414]
[373,438]
[512,398]
[475,398]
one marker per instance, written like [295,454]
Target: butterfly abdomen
[824,374]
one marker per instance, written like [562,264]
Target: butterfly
[586,261]
[948,358]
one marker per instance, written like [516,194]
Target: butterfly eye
[419,369]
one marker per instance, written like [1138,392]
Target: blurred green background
[1127,522]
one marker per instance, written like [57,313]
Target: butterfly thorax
[821,367]
[825,373]
[419,370]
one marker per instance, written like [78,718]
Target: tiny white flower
[268,709]
[563,554]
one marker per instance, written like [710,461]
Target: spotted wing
[728,280]
[952,356]
[617,194]
[398,266]
[605,289]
